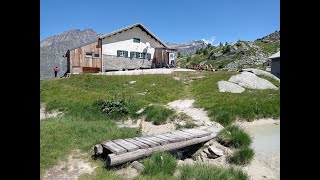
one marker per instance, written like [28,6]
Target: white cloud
[209,40]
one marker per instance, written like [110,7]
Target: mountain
[237,55]
[187,48]
[54,47]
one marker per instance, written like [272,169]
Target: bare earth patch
[128,172]
[76,165]
[150,129]
[44,114]
[199,115]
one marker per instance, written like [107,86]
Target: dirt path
[76,165]
[199,115]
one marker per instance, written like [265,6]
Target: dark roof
[84,44]
[132,26]
[276,55]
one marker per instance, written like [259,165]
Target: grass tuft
[234,136]
[160,163]
[206,171]
[158,114]
[242,156]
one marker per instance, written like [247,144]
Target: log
[114,159]
[98,150]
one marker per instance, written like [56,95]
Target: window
[140,55]
[88,54]
[96,55]
[121,53]
[132,53]
[136,40]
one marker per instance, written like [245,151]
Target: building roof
[276,55]
[132,26]
[84,44]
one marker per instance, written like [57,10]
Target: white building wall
[124,41]
[126,45]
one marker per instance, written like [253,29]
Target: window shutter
[137,55]
[149,56]
[118,53]
[131,55]
[126,54]
[144,55]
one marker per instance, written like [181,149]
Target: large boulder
[261,72]
[250,80]
[225,86]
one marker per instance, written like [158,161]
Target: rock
[176,78]
[132,82]
[188,161]
[206,151]
[261,72]
[250,80]
[142,93]
[138,166]
[182,123]
[225,86]
[140,111]
[215,151]
[153,84]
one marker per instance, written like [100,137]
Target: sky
[177,21]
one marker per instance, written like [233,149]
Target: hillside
[188,48]
[53,48]
[237,55]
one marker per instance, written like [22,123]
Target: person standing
[55,70]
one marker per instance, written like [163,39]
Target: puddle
[266,138]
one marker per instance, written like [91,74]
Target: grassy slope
[226,107]
[83,125]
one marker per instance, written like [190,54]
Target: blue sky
[176,21]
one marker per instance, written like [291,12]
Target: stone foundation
[111,63]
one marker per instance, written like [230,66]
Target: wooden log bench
[120,151]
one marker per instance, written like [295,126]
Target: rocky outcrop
[250,80]
[187,48]
[54,47]
[261,72]
[225,86]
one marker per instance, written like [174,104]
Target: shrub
[158,114]
[159,163]
[234,136]
[114,108]
[241,156]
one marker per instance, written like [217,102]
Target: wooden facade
[161,56]
[86,58]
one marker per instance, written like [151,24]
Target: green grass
[234,136]
[225,107]
[270,47]
[158,114]
[76,95]
[242,156]
[159,163]
[83,124]
[208,172]
[58,136]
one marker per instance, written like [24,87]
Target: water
[266,139]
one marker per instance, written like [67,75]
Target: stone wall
[121,63]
